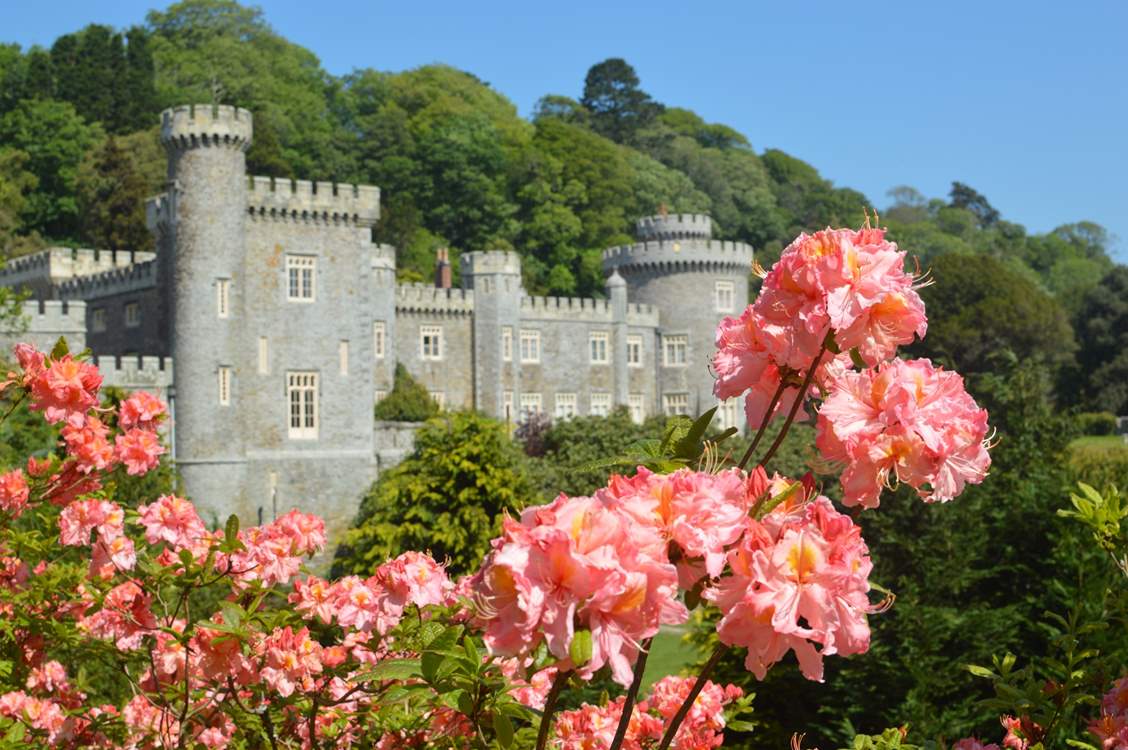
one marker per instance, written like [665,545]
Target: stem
[798,402]
[763,425]
[550,708]
[679,717]
[632,695]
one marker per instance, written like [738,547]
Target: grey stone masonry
[285,324]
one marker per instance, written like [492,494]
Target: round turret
[208,125]
[674,227]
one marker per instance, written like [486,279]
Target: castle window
[98,320]
[224,386]
[565,406]
[724,297]
[301,394]
[431,342]
[637,405]
[530,346]
[379,332]
[222,294]
[728,413]
[264,355]
[674,350]
[132,314]
[343,357]
[600,404]
[300,271]
[598,344]
[676,403]
[507,405]
[634,351]
[379,395]
[507,343]
[439,398]
[530,405]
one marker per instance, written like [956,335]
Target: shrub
[1096,423]
[409,401]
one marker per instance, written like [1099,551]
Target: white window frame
[634,350]
[301,278]
[599,345]
[507,343]
[531,403]
[263,355]
[379,339]
[431,343]
[343,356]
[132,314]
[507,405]
[530,346]
[675,350]
[636,402]
[675,403]
[301,404]
[729,413]
[98,320]
[223,383]
[379,395]
[600,403]
[223,298]
[564,406]
[724,296]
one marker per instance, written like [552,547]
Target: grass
[669,654]
[1100,441]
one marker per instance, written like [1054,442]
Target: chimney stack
[442,268]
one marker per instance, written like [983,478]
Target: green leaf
[14,734]
[471,651]
[429,665]
[503,728]
[392,669]
[60,349]
[580,650]
[856,358]
[231,530]
[689,446]
[980,671]
[232,613]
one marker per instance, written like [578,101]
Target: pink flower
[173,520]
[905,419]
[81,517]
[111,556]
[305,530]
[14,492]
[141,410]
[89,444]
[973,743]
[140,450]
[125,617]
[290,660]
[66,390]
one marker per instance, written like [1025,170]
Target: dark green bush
[1096,423]
[409,401]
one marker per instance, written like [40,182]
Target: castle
[271,323]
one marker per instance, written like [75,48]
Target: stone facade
[285,322]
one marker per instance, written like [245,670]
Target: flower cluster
[1111,728]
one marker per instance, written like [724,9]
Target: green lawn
[669,654]
[1099,441]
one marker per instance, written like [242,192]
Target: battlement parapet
[674,227]
[138,277]
[383,256]
[566,308]
[135,372]
[323,202]
[54,316]
[427,298]
[490,262]
[192,125]
[679,255]
[58,264]
[642,315]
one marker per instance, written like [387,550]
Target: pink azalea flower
[89,444]
[139,449]
[14,492]
[81,517]
[66,390]
[173,520]
[141,410]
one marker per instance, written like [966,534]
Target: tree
[561,107]
[1102,333]
[113,183]
[964,196]
[447,497]
[619,108]
[15,185]
[408,400]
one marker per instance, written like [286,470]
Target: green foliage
[1102,465]
[113,183]
[618,107]
[1102,332]
[966,198]
[408,400]
[15,185]
[1096,423]
[446,497]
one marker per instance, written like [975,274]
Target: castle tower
[495,278]
[694,281]
[201,246]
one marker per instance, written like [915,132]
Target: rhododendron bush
[141,627]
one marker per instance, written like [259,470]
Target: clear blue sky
[1025,101]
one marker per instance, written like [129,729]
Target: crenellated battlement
[193,125]
[679,255]
[489,262]
[323,202]
[54,316]
[133,278]
[674,227]
[135,372]
[642,315]
[427,298]
[566,308]
[55,265]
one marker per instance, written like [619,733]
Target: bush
[446,497]
[1100,465]
[1096,423]
[409,401]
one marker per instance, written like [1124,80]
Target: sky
[1027,102]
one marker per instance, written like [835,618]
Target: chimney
[442,268]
